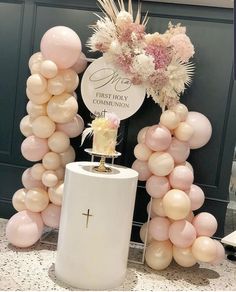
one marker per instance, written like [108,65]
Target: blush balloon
[157,186]
[142,135]
[142,152]
[152,214]
[182,233]
[37,171]
[220,253]
[179,150]
[184,256]
[67,156]
[35,58]
[142,168]
[183,132]
[158,138]
[56,193]
[157,207]
[181,178]
[204,249]
[43,127]
[34,148]
[36,84]
[51,161]
[161,163]
[73,128]
[36,200]
[58,142]
[71,80]
[169,119]
[36,110]
[181,110]
[205,224]
[49,178]
[159,228]
[29,182]
[61,45]
[24,228]
[51,216]
[176,204]
[81,64]
[196,197]
[48,69]
[38,98]
[202,129]
[56,85]
[18,200]
[159,254]
[142,233]
[26,126]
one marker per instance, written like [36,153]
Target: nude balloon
[49,178]
[36,200]
[35,68]
[71,80]
[62,108]
[61,45]
[56,193]
[152,214]
[184,256]
[24,228]
[179,150]
[38,98]
[51,161]
[48,69]
[157,207]
[161,163]
[26,126]
[157,186]
[73,128]
[202,129]
[34,148]
[142,233]
[220,253]
[204,249]
[51,216]
[35,58]
[56,85]
[18,199]
[58,142]
[29,182]
[181,178]
[196,197]
[36,84]
[43,127]
[36,110]
[67,156]
[158,138]
[182,233]
[169,119]
[159,228]
[81,64]
[159,254]
[142,135]
[183,132]
[176,204]
[60,172]
[37,171]
[181,110]
[205,224]
[142,152]
[142,168]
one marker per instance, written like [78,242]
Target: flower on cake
[161,62]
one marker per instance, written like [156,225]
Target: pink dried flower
[136,80]
[159,79]
[130,31]
[113,119]
[124,62]
[182,46]
[161,55]
[102,47]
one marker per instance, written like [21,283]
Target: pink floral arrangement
[158,61]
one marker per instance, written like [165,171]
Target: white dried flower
[123,18]
[143,66]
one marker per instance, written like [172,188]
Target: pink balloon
[153,214]
[142,168]
[159,228]
[179,150]
[158,138]
[181,177]
[29,182]
[51,215]
[72,129]
[220,253]
[34,148]
[196,197]
[202,129]
[24,228]
[205,224]
[61,45]
[182,233]
[81,64]
[157,186]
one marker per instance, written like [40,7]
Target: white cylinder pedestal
[95,226]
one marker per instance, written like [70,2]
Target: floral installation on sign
[158,61]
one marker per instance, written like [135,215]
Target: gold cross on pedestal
[88,215]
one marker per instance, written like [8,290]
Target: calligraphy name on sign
[106,89]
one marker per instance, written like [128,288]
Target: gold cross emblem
[87,215]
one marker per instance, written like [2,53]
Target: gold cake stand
[102,167]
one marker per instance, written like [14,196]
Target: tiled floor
[33,269]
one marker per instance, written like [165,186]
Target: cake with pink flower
[105,131]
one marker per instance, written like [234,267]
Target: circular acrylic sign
[104,89]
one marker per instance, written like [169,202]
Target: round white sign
[105,88]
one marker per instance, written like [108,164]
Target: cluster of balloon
[51,121]
[173,231]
